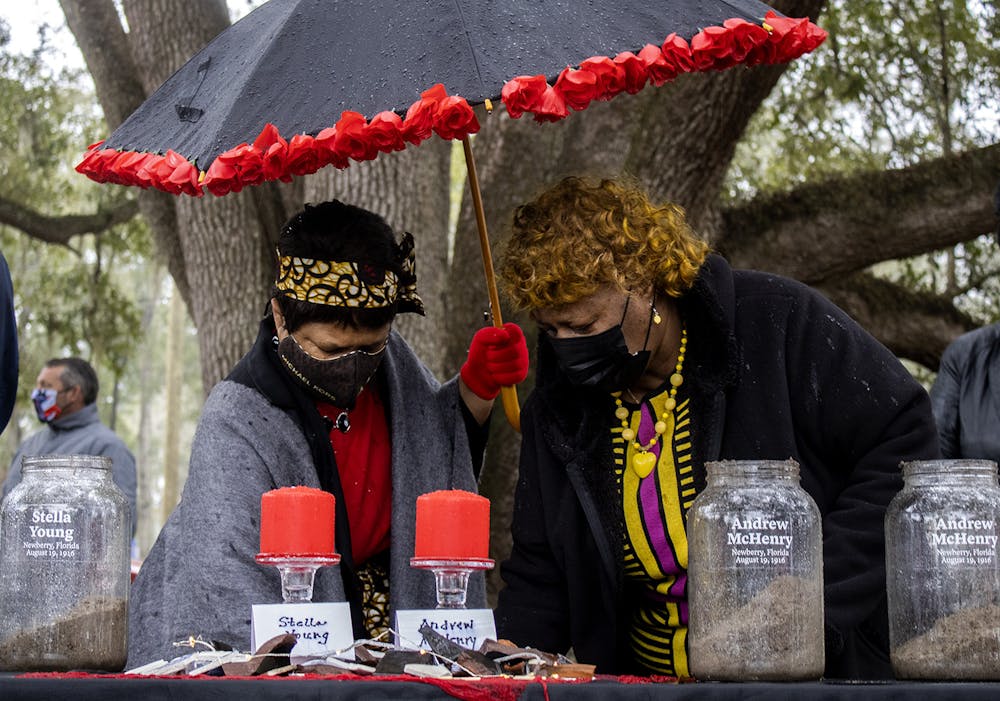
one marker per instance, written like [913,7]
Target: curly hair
[582,234]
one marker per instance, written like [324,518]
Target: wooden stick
[508,395]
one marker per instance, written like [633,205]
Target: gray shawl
[200,577]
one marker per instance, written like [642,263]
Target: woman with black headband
[330,396]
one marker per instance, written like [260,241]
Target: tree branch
[103,43]
[61,229]
[872,216]
[913,325]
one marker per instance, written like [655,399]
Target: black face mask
[336,380]
[602,360]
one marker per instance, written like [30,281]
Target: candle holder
[451,577]
[297,573]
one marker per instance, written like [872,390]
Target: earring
[656,316]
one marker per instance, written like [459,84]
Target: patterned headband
[352,284]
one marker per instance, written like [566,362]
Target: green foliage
[969,273]
[74,299]
[102,296]
[45,118]
[69,297]
[893,84]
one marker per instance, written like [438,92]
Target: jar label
[964,541]
[51,532]
[759,541]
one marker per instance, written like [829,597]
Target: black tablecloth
[98,688]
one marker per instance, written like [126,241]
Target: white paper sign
[320,628]
[465,627]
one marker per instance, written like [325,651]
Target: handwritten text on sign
[320,628]
[465,627]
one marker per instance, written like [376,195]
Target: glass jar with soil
[943,571]
[64,567]
[755,575]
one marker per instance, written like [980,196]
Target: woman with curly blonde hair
[655,357]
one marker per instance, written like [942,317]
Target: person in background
[64,398]
[8,345]
[329,397]
[966,392]
[966,396]
[655,357]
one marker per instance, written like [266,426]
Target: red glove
[498,356]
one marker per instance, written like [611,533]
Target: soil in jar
[758,641]
[90,636]
[962,645]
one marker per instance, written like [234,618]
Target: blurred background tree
[896,84]
[86,281]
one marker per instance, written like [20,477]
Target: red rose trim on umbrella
[272,157]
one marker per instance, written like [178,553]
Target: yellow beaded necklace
[643,462]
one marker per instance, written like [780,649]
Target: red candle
[452,525]
[297,521]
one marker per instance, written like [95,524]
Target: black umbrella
[300,84]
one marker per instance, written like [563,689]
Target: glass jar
[943,571]
[755,575]
[64,567]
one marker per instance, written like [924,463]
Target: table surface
[105,688]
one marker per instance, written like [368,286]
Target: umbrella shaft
[484,237]
[508,395]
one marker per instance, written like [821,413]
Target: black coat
[966,396]
[8,345]
[774,370]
